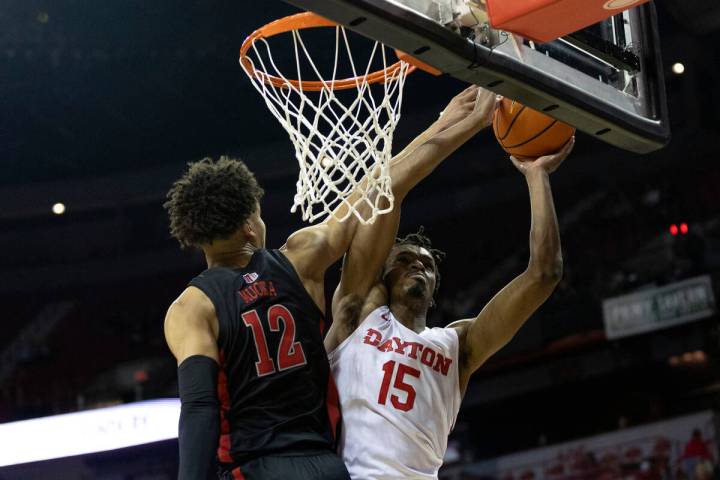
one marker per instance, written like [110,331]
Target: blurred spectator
[697,448]
[703,470]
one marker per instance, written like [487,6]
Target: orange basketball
[526,133]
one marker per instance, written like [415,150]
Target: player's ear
[248,230]
[384,278]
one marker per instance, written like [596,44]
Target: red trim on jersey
[223,451]
[333,406]
[237,474]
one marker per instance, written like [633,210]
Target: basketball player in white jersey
[401,383]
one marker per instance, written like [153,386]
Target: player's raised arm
[503,316]
[189,326]
[368,246]
[313,249]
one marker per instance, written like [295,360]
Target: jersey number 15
[399,384]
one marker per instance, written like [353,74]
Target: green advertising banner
[658,308]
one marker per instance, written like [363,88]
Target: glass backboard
[606,80]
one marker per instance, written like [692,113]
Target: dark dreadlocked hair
[421,240]
[211,200]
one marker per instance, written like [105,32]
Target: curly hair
[421,240]
[211,200]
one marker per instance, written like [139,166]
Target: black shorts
[325,466]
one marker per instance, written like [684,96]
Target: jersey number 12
[290,353]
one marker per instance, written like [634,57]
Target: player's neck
[229,254]
[412,314]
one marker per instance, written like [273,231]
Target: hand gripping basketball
[526,133]
[548,163]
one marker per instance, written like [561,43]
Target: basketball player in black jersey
[253,375]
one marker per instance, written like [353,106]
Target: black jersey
[274,379]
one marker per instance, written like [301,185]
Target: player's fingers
[483,93]
[565,150]
[516,162]
[469,93]
[569,145]
[466,98]
[484,98]
[556,160]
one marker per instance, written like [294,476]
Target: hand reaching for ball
[546,163]
[526,133]
[473,108]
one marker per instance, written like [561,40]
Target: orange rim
[302,21]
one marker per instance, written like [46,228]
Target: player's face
[258,228]
[410,272]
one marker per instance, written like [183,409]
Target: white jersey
[399,396]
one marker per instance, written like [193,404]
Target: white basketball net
[343,148]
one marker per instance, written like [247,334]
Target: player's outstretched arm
[191,333]
[313,249]
[503,316]
[466,114]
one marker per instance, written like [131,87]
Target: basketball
[525,133]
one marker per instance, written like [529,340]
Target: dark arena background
[102,104]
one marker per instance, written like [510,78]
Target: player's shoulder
[308,237]
[442,332]
[460,324]
[190,323]
[446,337]
[191,311]
[212,276]
[459,328]
[190,304]
[304,248]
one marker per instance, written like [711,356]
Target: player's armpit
[350,310]
[346,315]
[191,326]
[501,318]
[362,265]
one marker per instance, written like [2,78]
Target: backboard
[606,80]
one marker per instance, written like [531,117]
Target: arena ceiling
[104,103]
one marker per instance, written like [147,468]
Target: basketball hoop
[343,146]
